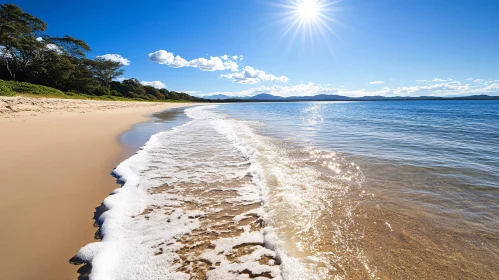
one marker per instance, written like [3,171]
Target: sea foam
[213,199]
[175,215]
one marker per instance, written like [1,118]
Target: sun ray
[308,17]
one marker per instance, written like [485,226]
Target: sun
[308,9]
[309,18]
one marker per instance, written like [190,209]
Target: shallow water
[431,170]
[136,137]
[329,190]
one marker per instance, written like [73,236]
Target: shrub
[23,87]
[5,90]
[101,91]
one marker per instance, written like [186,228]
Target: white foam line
[117,244]
[127,247]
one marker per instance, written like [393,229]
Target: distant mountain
[266,96]
[320,97]
[375,97]
[334,97]
[218,96]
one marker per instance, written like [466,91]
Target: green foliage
[5,90]
[68,45]
[51,66]
[18,33]
[106,70]
[153,93]
[24,87]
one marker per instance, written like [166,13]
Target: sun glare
[309,17]
[308,9]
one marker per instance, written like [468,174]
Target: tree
[106,70]
[173,95]
[54,70]
[130,88]
[18,33]
[165,93]
[67,45]
[154,92]
[61,63]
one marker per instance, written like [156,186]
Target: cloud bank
[249,75]
[435,87]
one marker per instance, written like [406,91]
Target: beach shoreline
[57,156]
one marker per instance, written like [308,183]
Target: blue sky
[367,47]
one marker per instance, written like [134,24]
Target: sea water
[308,190]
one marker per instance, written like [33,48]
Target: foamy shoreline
[211,199]
[182,216]
[56,156]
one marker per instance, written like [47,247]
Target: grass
[5,90]
[12,88]
[93,97]
[32,88]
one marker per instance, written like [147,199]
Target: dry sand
[55,161]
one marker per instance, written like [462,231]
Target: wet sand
[55,161]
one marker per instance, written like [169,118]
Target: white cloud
[116,58]
[493,88]
[296,90]
[214,63]
[478,81]
[162,57]
[249,75]
[469,79]
[376,82]
[53,47]
[421,81]
[447,88]
[237,57]
[156,84]
[438,80]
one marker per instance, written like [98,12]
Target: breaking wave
[213,199]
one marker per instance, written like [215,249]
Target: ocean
[307,190]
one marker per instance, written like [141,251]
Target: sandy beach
[56,159]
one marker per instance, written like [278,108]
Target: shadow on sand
[84,267]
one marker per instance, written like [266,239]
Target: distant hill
[266,96]
[325,97]
[218,96]
[261,96]
[320,97]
